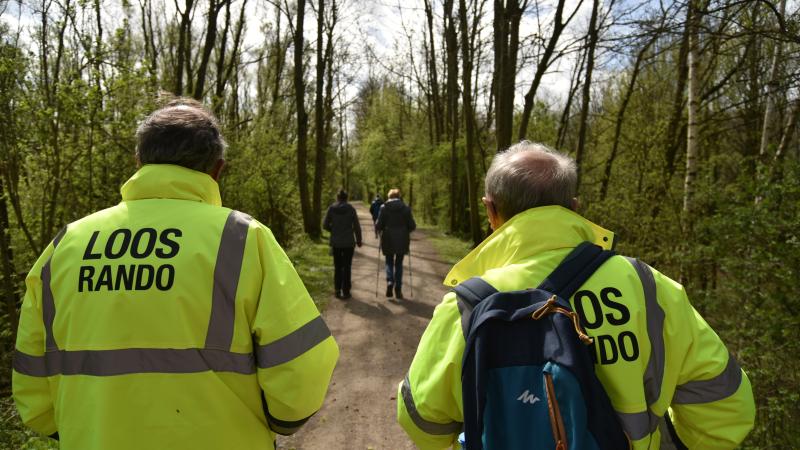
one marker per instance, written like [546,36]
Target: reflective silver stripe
[29,365]
[654,374]
[48,304]
[226,280]
[284,431]
[284,427]
[638,425]
[422,424]
[705,391]
[293,344]
[131,361]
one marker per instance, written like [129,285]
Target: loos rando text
[146,243]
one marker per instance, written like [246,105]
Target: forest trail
[377,340]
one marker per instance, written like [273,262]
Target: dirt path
[377,340]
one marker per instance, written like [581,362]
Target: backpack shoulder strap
[575,269]
[470,293]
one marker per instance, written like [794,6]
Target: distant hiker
[652,351]
[342,221]
[169,321]
[395,223]
[375,207]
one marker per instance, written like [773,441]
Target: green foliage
[15,436]
[259,178]
[751,297]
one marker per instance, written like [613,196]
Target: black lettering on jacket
[123,247]
[139,244]
[172,244]
[625,315]
[87,254]
[596,309]
[150,243]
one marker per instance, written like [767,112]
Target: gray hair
[528,175]
[183,133]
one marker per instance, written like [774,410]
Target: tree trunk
[302,121]
[219,85]
[542,66]
[280,60]
[211,39]
[674,128]
[7,255]
[181,51]
[692,128]
[451,44]
[150,50]
[587,89]
[320,138]
[574,85]
[507,16]
[469,123]
[773,91]
[783,147]
[438,119]
[621,116]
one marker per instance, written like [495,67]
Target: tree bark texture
[587,88]
[542,66]
[467,52]
[302,121]
[693,125]
[507,16]
[451,44]
[621,117]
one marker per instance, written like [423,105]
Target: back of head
[528,175]
[342,195]
[184,133]
[393,193]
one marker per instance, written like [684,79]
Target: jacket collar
[171,181]
[527,234]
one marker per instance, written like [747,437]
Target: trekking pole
[410,272]
[377,268]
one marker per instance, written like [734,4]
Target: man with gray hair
[169,321]
[653,353]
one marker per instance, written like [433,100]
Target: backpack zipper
[559,433]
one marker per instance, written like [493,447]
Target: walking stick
[410,272]
[378,267]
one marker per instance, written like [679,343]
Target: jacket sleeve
[327,222]
[412,225]
[30,386]
[429,406]
[356,226]
[294,349]
[381,222]
[713,406]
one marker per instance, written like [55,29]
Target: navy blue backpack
[528,379]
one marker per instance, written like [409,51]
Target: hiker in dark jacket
[342,221]
[375,208]
[395,223]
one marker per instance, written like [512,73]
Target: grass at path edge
[450,248]
[314,264]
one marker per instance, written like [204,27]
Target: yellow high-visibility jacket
[653,352]
[168,322]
